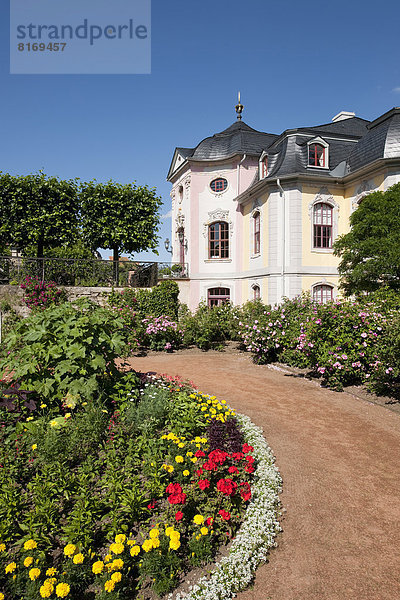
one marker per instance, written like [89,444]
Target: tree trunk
[116,265]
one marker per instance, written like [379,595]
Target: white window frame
[321,142]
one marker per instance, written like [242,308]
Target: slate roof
[353,143]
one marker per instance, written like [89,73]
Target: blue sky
[295,63]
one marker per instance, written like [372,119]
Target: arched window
[323,225]
[256,292]
[218,240]
[217,296]
[256,232]
[322,293]
[317,155]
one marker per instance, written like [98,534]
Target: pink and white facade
[256,214]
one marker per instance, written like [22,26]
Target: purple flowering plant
[39,295]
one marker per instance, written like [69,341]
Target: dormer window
[318,154]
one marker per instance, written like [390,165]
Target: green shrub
[210,327]
[65,349]
[160,300]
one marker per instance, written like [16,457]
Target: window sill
[322,250]
[255,255]
[317,167]
[221,260]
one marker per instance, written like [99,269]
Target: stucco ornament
[325,197]
[217,215]
[363,190]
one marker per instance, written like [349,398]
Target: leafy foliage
[37,210]
[370,252]
[160,300]
[66,349]
[122,217]
[210,327]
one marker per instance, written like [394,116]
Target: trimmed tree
[370,252]
[39,211]
[121,217]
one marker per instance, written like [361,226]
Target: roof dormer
[318,153]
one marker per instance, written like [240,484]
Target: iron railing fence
[89,273]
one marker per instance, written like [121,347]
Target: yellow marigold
[194,459]
[117,564]
[186,473]
[62,590]
[2,547]
[156,542]
[135,550]
[107,558]
[189,454]
[50,572]
[168,531]
[30,545]
[147,545]
[10,568]
[174,544]
[116,577]
[34,446]
[179,458]
[50,581]
[181,445]
[34,573]
[28,561]
[78,559]
[46,590]
[98,567]
[131,542]
[175,535]
[117,548]
[109,585]
[43,405]
[204,531]
[168,468]
[1,596]
[120,538]
[69,550]
[198,519]
[154,533]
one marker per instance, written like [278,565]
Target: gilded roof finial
[239,109]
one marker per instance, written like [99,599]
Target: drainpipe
[238,174]
[282,193]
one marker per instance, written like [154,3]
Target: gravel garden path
[339,457]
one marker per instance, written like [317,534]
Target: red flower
[199,472]
[203,484]
[209,521]
[227,486]
[173,488]
[177,498]
[233,470]
[224,515]
[199,454]
[210,466]
[151,505]
[237,455]
[218,456]
[250,459]
[246,448]
[249,469]
[178,515]
[245,491]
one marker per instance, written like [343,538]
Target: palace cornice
[265,184]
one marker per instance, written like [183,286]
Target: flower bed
[110,499]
